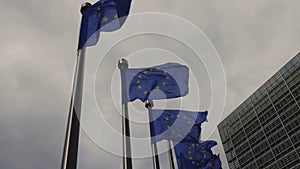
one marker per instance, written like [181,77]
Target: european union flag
[195,155]
[123,8]
[159,82]
[175,125]
[214,163]
[104,15]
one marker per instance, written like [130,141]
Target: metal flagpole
[149,104]
[69,159]
[127,161]
[171,159]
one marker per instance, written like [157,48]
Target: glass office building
[264,131]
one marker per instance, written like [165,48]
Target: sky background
[39,39]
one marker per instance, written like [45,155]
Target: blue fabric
[175,125]
[104,15]
[123,8]
[214,163]
[195,155]
[159,82]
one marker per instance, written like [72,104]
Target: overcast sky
[38,43]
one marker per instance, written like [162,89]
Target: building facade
[264,131]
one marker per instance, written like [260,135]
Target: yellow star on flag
[105,19]
[116,16]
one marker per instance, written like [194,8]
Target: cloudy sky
[39,40]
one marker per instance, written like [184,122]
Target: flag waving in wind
[104,15]
[159,82]
[195,155]
[175,125]
[214,163]
[123,8]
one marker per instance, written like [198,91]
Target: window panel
[259,136]
[283,148]
[288,160]
[275,138]
[265,160]
[258,150]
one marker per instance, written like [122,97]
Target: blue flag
[123,8]
[104,15]
[214,163]
[175,125]
[195,155]
[159,82]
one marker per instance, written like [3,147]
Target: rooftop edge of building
[249,99]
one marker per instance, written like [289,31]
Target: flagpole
[171,159]
[70,153]
[127,161]
[149,104]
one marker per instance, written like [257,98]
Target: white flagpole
[127,161]
[69,159]
[73,126]
[155,158]
[171,159]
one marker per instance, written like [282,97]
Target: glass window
[244,160]
[242,148]
[298,99]
[239,138]
[265,159]
[263,105]
[247,117]
[296,91]
[294,82]
[251,166]
[234,164]
[280,103]
[287,160]
[257,137]
[251,129]
[292,125]
[223,132]
[272,126]
[283,148]
[236,126]
[265,116]
[298,151]
[290,115]
[227,146]
[294,75]
[297,166]
[298,56]
[229,156]
[273,165]
[296,138]
[292,106]
[275,92]
[259,149]
[231,165]
[275,138]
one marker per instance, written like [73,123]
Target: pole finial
[149,104]
[123,64]
[84,6]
